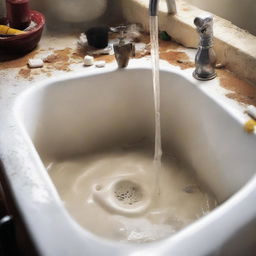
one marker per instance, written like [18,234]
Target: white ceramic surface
[80,112]
[77,10]
[240,13]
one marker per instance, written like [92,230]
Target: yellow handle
[5,30]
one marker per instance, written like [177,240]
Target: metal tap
[123,50]
[205,59]
[153,7]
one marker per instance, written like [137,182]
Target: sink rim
[49,198]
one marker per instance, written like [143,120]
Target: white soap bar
[251,110]
[35,63]
[88,60]
[100,64]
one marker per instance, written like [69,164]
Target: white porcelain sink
[80,113]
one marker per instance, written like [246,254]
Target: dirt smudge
[168,45]
[241,91]
[16,61]
[107,58]
[25,73]
[177,58]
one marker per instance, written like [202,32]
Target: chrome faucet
[205,59]
[123,50]
[153,7]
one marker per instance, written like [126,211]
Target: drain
[122,196]
[127,192]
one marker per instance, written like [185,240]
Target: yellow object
[5,30]
[249,126]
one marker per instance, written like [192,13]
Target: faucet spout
[205,57]
[153,7]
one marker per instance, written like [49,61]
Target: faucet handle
[121,30]
[118,29]
[204,24]
[205,57]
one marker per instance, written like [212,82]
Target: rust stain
[51,58]
[142,54]
[169,45]
[62,59]
[59,60]
[16,61]
[242,91]
[62,55]
[177,58]
[46,71]
[24,72]
[145,38]
[107,58]
[168,51]
[172,52]
[77,56]
[186,9]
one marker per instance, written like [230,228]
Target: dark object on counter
[97,37]
[163,35]
[3,21]
[18,13]
[8,245]
[26,42]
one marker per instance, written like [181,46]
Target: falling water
[156,86]
[155,70]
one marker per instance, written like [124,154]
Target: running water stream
[156,86]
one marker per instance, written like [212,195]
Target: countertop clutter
[21,29]
[33,56]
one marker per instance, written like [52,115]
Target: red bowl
[24,43]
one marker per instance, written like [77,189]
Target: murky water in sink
[112,195]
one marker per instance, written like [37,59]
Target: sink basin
[81,113]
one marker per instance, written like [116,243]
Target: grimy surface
[112,194]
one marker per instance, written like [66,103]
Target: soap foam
[133,172]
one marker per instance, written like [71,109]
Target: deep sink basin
[83,113]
